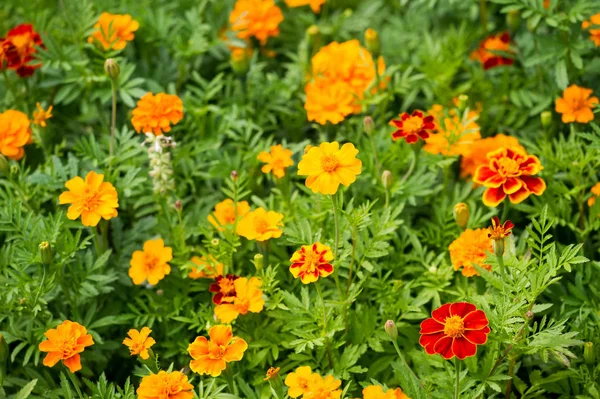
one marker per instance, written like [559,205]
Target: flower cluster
[18,48]
[311,262]
[594,32]
[595,193]
[211,356]
[494,51]
[160,162]
[139,342]
[247,298]
[41,115]
[260,225]
[303,382]
[156,113]
[165,385]
[65,343]
[205,267]
[315,5]
[471,247]
[226,214]
[376,392]
[277,160]
[151,263]
[455,132]
[15,133]
[475,154]
[412,127]
[113,31]
[576,104]
[256,18]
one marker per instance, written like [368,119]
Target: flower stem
[337,242]
[500,259]
[73,379]
[457,365]
[113,118]
[483,15]
[401,356]
[318,286]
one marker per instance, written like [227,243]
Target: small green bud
[178,205]
[461,214]
[386,179]
[369,125]
[313,33]
[513,19]
[240,61]
[258,262]
[112,69]
[391,330]
[215,242]
[463,100]
[46,253]
[588,353]
[347,13]
[546,118]
[372,42]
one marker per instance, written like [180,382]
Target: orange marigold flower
[311,262]
[476,153]
[594,33]
[92,199]
[207,267]
[113,31]
[327,166]
[164,385]
[300,382]
[576,104]
[139,342]
[156,113]
[324,388]
[272,372]
[260,225]
[256,18]
[376,392]
[15,132]
[412,126]
[65,343]
[455,134]
[499,231]
[315,5]
[328,101]
[224,288]
[469,248]
[225,213]
[248,298]
[595,193]
[490,49]
[276,160]
[211,357]
[509,172]
[151,263]
[18,48]
[41,116]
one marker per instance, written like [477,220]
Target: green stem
[354,234]
[457,366]
[318,286]
[113,118]
[500,259]
[483,15]
[401,356]
[336,226]
[375,157]
[73,379]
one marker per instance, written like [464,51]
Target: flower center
[227,287]
[68,347]
[261,225]
[329,163]
[454,326]
[311,260]
[413,124]
[578,103]
[216,351]
[21,42]
[91,200]
[150,262]
[508,167]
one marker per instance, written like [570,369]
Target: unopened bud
[369,125]
[178,205]
[463,99]
[215,242]
[386,179]
[234,175]
[588,353]
[461,214]
[546,118]
[391,330]
[45,253]
[14,168]
[3,165]
[258,262]
[513,19]
[112,69]
[313,33]
[529,314]
[347,13]
[372,42]
[240,61]
[160,292]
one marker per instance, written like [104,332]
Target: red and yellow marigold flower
[476,153]
[315,5]
[276,160]
[248,298]
[576,104]
[490,49]
[454,329]
[454,133]
[328,101]
[207,267]
[311,262]
[156,113]
[500,231]
[327,166]
[376,392]
[595,193]
[151,263]
[272,373]
[225,213]
[413,126]
[509,172]
[15,133]
[260,225]
[18,48]
[41,116]
[113,31]
[223,288]
[211,357]
[65,343]
[594,32]
[92,199]
[256,18]
[471,247]
[165,385]
[139,342]
[300,382]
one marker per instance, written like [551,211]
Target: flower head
[476,153]
[113,31]
[224,289]
[499,231]
[276,160]
[139,342]
[595,193]
[328,101]
[207,267]
[327,166]
[65,343]
[311,262]
[92,199]
[15,132]
[211,357]
[324,388]
[248,298]
[315,5]
[509,172]
[490,51]
[576,104]
[156,113]
[300,382]
[454,329]
[225,213]
[470,248]
[256,18]
[413,126]
[18,48]
[151,263]
[455,132]
[376,392]
[260,225]
[272,372]
[41,116]
[595,32]
[164,385]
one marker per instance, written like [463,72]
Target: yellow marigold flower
[311,262]
[376,392]
[65,343]
[327,166]
[476,153]
[15,132]
[256,18]
[260,225]
[469,248]
[151,263]
[113,31]
[594,33]
[92,199]
[164,385]
[276,160]
[595,193]
[272,372]
[248,298]
[41,116]
[300,382]
[208,267]
[139,342]
[315,5]
[156,113]
[576,105]
[328,101]
[225,213]
[324,388]
[454,136]
[211,357]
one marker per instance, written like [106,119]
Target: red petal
[495,222]
[461,308]
[431,326]
[512,185]
[492,197]
[483,174]
[428,341]
[441,313]
[463,348]
[534,184]
[477,337]
[475,320]
[444,347]
[519,196]
[412,138]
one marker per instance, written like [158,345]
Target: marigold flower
[18,48]
[256,18]
[376,392]
[276,160]
[151,263]
[594,33]
[225,213]
[454,134]
[300,382]
[248,298]
[328,101]
[208,267]
[499,231]
[469,248]
[576,104]
[65,343]
[476,153]
[113,31]
[272,372]
[315,5]
[260,225]
[509,172]
[15,132]
[488,51]
[324,388]
[211,357]
[139,342]
[311,262]
[156,113]
[41,116]
[595,193]
[92,199]
[454,329]
[327,166]
[164,385]
[224,288]
[413,126]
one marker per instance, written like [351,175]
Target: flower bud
[498,246]
[588,353]
[369,125]
[45,253]
[234,175]
[112,69]
[372,41]
[313,33]
[240,61]
[391,330]
[215,242]
[3,165]
[386,179]
[513,19]
[347,13]
[461,214]
[529,314]
[463,99]
[258,262]
[546,118]
[178,205]
[160,292]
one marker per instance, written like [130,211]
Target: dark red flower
[411,127]
[499,231]
[224,288]
[18,48]
[488,51]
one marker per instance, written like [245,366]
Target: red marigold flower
[487,53]
[454,329]
[17,50]
[499,231]
[312,261]
[224,288]
[411,127]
